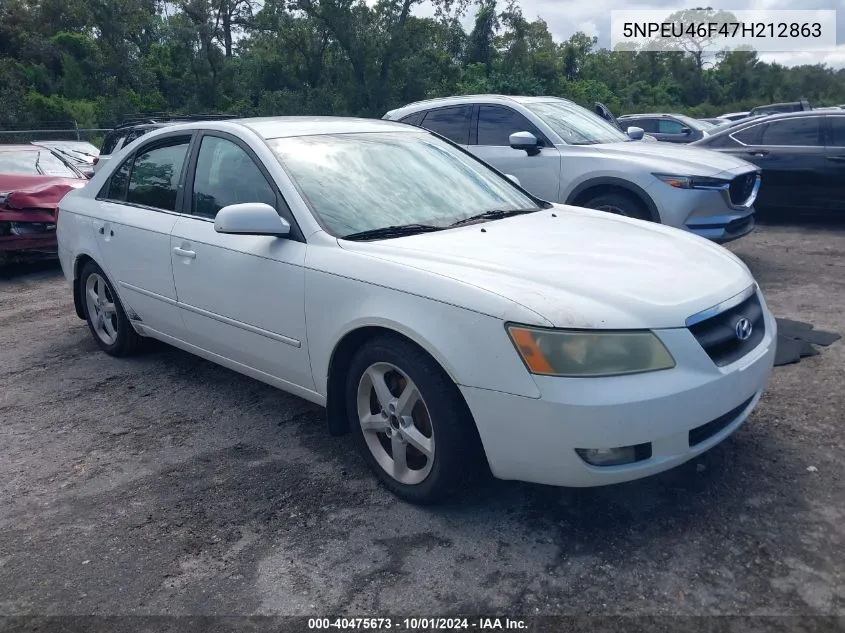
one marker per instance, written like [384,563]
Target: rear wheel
[618,204]
[408,420]
[105,315]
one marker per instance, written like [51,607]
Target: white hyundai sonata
[436,309]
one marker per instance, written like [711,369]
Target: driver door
[491,128]
[241,296]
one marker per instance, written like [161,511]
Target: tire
[439,421]
[110,328]
[618,204]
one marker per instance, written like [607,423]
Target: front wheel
[408,420]
[106,318]
[618,204]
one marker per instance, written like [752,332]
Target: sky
[565,17]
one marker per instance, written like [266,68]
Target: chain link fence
[53,131]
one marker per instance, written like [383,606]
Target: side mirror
[525,141]
[251,218]
[514,179]
[686,131]
[635,133]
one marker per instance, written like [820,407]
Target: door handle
[758,152]
[181,252]
[837,159]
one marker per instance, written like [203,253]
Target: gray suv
[564,153]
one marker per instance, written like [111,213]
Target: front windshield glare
[366,181]
[576,125]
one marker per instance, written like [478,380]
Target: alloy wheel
[396,423]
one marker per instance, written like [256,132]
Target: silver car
[564,153]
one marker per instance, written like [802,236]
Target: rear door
[489,140]
[835,162]
[137,208]
[791,152]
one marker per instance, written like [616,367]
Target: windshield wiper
[398,230]
[38,163]
[496,214]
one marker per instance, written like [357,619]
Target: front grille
[741,188]
[718,334]
[704,432]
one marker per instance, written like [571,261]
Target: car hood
[679,160]
[22,191]
[576,267]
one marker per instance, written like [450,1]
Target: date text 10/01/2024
[417,624]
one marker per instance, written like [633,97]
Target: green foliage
[97,61]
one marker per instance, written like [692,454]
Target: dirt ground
[167,485]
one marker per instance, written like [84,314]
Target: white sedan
[439,312]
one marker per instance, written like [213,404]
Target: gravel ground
[167,485]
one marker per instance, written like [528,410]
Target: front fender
[473,349]
[620,183]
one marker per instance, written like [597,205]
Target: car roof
[289,126]
[475,98]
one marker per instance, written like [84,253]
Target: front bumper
[534,440]
[709,213]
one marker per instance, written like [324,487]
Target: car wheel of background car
[409,420]
[618,203]
[105,315]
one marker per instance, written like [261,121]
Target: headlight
[694,182]
[589,353]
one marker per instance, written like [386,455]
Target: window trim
[476,119]
[759,143]
[281,205]
[467,120]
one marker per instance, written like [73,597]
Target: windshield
[34,162]
[576,125]
[367,181]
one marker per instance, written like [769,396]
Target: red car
[32,181]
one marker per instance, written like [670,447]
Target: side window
[837,128]
[115,188]
[799,131]
[669,126]
[749,136]
[649,126]
[496,124]
[155,174]
[226,175]
[413,119]
[449,122]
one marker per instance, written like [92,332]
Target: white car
[438,310]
